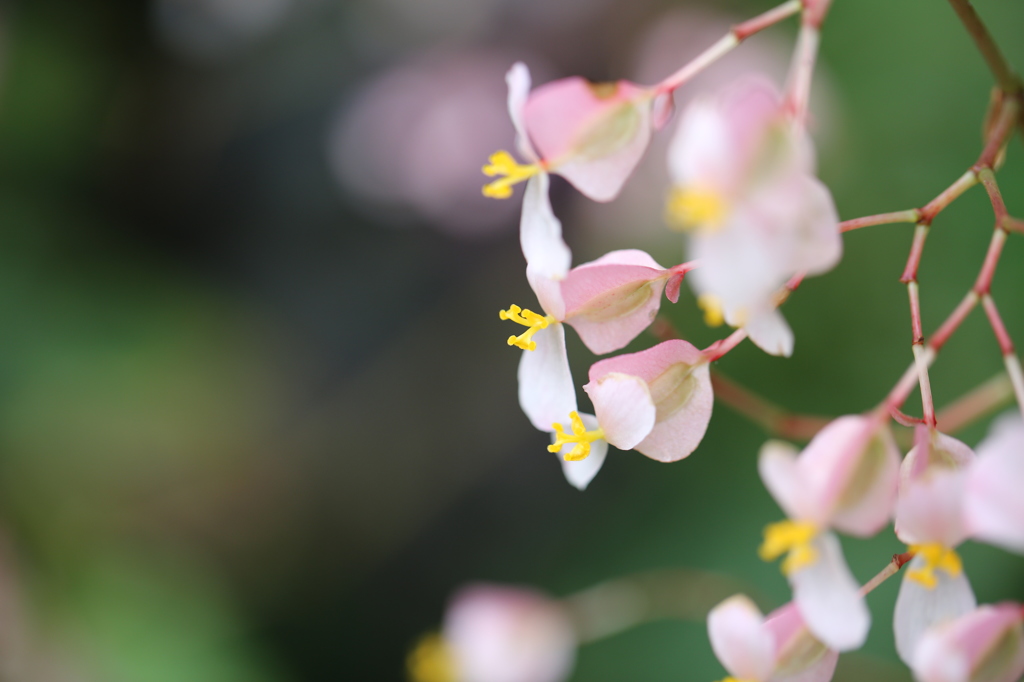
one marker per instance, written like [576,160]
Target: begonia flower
[984,644]
[994,505]
[778,648]
[592,134]
[755,214]
[930,519]
[846,479]
[496,633]
[608,301]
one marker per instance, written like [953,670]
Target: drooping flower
[592,134]
[993,504]
[496,633]
[778,648]
[746,194]
[845,479]
[930,519]
[984,644]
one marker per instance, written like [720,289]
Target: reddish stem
[983,284]
[719,348]
[1012,224]
[953,322]
[773,16]
[994,319]
[974,405]
[947,196]
[997,64]
[910,216]
[772,418]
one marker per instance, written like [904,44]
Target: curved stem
[1007,80]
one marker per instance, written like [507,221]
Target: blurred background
[257,415]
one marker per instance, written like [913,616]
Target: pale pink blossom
[592,134]
[984,644]
[495,633]
[657,402]
[778,648]
[845,479]
[745,192]
[929,518]
[994,504]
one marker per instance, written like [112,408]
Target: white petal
[770,332]
[624,408]
[546,392]
[518,80]
[580,473]
[740,641]
[777,465]
[548,291]
[829,598]
[919,608]
[993,504]
[540,232]
[930,508]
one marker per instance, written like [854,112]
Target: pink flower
[756,215]
[591,134]
[657,402]
[495,633]
[984,644]
[774,649]
[929,518]
[994,505]
[845,479]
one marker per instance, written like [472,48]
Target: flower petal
[546,392]
[540,233]
[800,657]
[518,80]
[770,332]
[745,648]
[919,608]
[829,598]
[611,300]
[931,509]
[990,638]
[581,472]
[944,453]
[624,408]
[994,506]
[593,135]
[776,463]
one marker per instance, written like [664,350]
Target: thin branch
[776,420]
[1007,80]
[909,216]
[891,569]
[977,404]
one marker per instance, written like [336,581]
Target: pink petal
[703,152]
[592,135]
[680,387]
[945,452]
[546,391]
[580,473]
[518,80]
[852,470]
[744,647]
[540,234]
[684,400]
[777,465]
[505,634]
[829,598]
[994,505]
[931,509]
[990,637]
[611,300]
[800,657]
[624,408]
[919,608]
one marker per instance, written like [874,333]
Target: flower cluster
[756,221]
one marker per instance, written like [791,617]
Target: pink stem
[911,216]
[979,402]
[798,89]
[719,348]
[994,319]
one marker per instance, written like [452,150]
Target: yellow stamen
[527,318]
[793,538]
[937,557]
[580,436]
[502,163]
[430,660]
[714,316]
[734,679]
[695,208]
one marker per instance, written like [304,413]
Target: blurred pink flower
[778,648]
[994,504]
[985,644]
[745,192]
[845,479]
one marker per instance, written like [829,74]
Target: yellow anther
[527,318]
[502,163]
[733,679]
[694,208]
[792,538]
[714,316]
[579,436]
[936,557]
[430,660]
